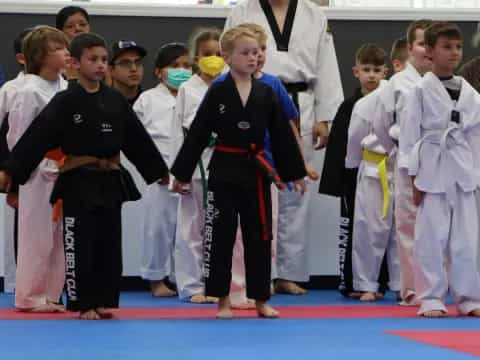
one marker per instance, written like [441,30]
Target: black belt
[293,89]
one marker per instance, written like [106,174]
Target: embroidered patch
[243,125]
[221,108]
[77,118]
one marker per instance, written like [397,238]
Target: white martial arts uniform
[390,115]
[156,108]
[443,157]
[7,94]
[373,235]
[40,272]
[305,57]
[191,212]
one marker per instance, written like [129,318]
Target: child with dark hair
[90,123]
[156,110]
[72,20]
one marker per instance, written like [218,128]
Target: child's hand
[5,181]
[300,186]
[12,199]
[417,194]
[180,187]
[312,173]
[165,180]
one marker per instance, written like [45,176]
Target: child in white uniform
[156,108]
[441,136]
[191,206]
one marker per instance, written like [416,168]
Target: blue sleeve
[286,103]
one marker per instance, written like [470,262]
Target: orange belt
[257,155]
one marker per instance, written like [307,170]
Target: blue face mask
[176,77]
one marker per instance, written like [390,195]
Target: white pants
[9,248]
[373,236]
[189,242]
[41,261]
[159,226]
[293,212]
[405,214]
[445,250]
[238,292]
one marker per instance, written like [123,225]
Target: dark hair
[399,50]
[17,43]
[371,54]
[421,24]
[439,29]
[68,11]
[168,53]
[85,41]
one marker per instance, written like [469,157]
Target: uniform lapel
[281,39]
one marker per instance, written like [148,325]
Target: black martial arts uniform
[236,185]
[341,182]
[98,125]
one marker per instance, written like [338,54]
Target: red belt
[263,164]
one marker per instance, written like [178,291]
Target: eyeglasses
[127,63]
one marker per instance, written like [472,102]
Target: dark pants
[93,256]
[226,203]
[345,236]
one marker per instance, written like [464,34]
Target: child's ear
[74,63]
[385,72]
[356,71]
[20,58]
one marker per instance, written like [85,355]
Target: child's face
[369,75]
[57,56]
[75,24]
[446,54]
[244,56]
[92,64]
[417,53]
[127,69]
[182,62]
[208,48]
[261,55]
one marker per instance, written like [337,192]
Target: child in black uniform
[91,124]
[239,110]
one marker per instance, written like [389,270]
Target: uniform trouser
[445,251]
[293,211]
[227,204]
[10,247]
[373,236]
[40,272]
[189,242]
[405,214]
[93,256]
[159,227]
[237,289]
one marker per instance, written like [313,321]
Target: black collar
[282,39]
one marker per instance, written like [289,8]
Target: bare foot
[59,307]
[289,287]
[368,296]
[89,315]
[45,308]
[355,295]
[198,299]
[244,305]
[434,314]
[474,312]
[224,308]
[159,289]
[379,295]
[211,299]
[266,311]
[104,313]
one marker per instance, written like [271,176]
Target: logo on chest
[221,108]
[77,118]
[106,127]
[243,125]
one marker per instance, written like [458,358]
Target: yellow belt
[381,161]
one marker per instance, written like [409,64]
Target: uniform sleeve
[383,119]
[196,141]
[3,104]
[177,125]
[286,103]
[286,152]
[357,131]
[140,149]
[25,108]
[328,87]
[43,135]
[410,127]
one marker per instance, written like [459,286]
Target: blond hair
[37,45]
[228,39]
[258,30]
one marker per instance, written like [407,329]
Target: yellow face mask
[211,65]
